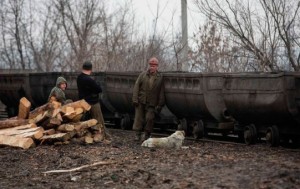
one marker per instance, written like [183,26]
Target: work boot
[137,136]
[146,135]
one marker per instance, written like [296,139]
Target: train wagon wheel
[240,136]
[198,129]
[125,122]
[272,136]
[250,134]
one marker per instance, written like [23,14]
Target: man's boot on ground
[146,135]
[137,136]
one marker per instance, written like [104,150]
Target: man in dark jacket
[148,98]
[89,90]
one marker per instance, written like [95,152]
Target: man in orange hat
[148,97]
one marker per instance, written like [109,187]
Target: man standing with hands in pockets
[148,98]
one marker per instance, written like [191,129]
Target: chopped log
[67,110]
[26,131]
[58,116]
[16,141]
[24,108]
[39,117]
[50,122]
[56,105]
[49,132]
[50,107]
[78,104]
[39,110]
[98,137]
[54,121]
[55,137]
[79,110]
[74,115]
[55,112]
[88,139]
[8,123]
[21,127]
[76,118]
[85,124]
[35,133]
[65,127]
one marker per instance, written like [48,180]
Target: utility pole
[184,41]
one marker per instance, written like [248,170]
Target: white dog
[173,141]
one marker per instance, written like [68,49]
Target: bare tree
[61,34]
[80,20]
[213,51]
[285,16]
[12,31]
[260,34]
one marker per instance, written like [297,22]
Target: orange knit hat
[153,61]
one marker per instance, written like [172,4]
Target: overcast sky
[169,15]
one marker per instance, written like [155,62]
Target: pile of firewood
[51,123]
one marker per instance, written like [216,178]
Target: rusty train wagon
[119,91]
[264,104]
[36,88]
[197,101]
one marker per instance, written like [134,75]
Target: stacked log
[51,123]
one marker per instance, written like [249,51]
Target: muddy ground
[198,165]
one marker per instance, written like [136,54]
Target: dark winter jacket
[150,95]
[57,92]
[88,89]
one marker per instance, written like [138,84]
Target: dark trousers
[96,113]
[144,115]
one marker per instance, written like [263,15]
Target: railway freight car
[14,86]
[119,92]
[265,105]
[40,85]
[197,101]
[36,88]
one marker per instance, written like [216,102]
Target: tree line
[238,35]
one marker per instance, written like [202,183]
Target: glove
[158,109]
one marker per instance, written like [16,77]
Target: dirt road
[197,165]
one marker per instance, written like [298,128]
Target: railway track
[213,138]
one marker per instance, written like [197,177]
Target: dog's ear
[182,132]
